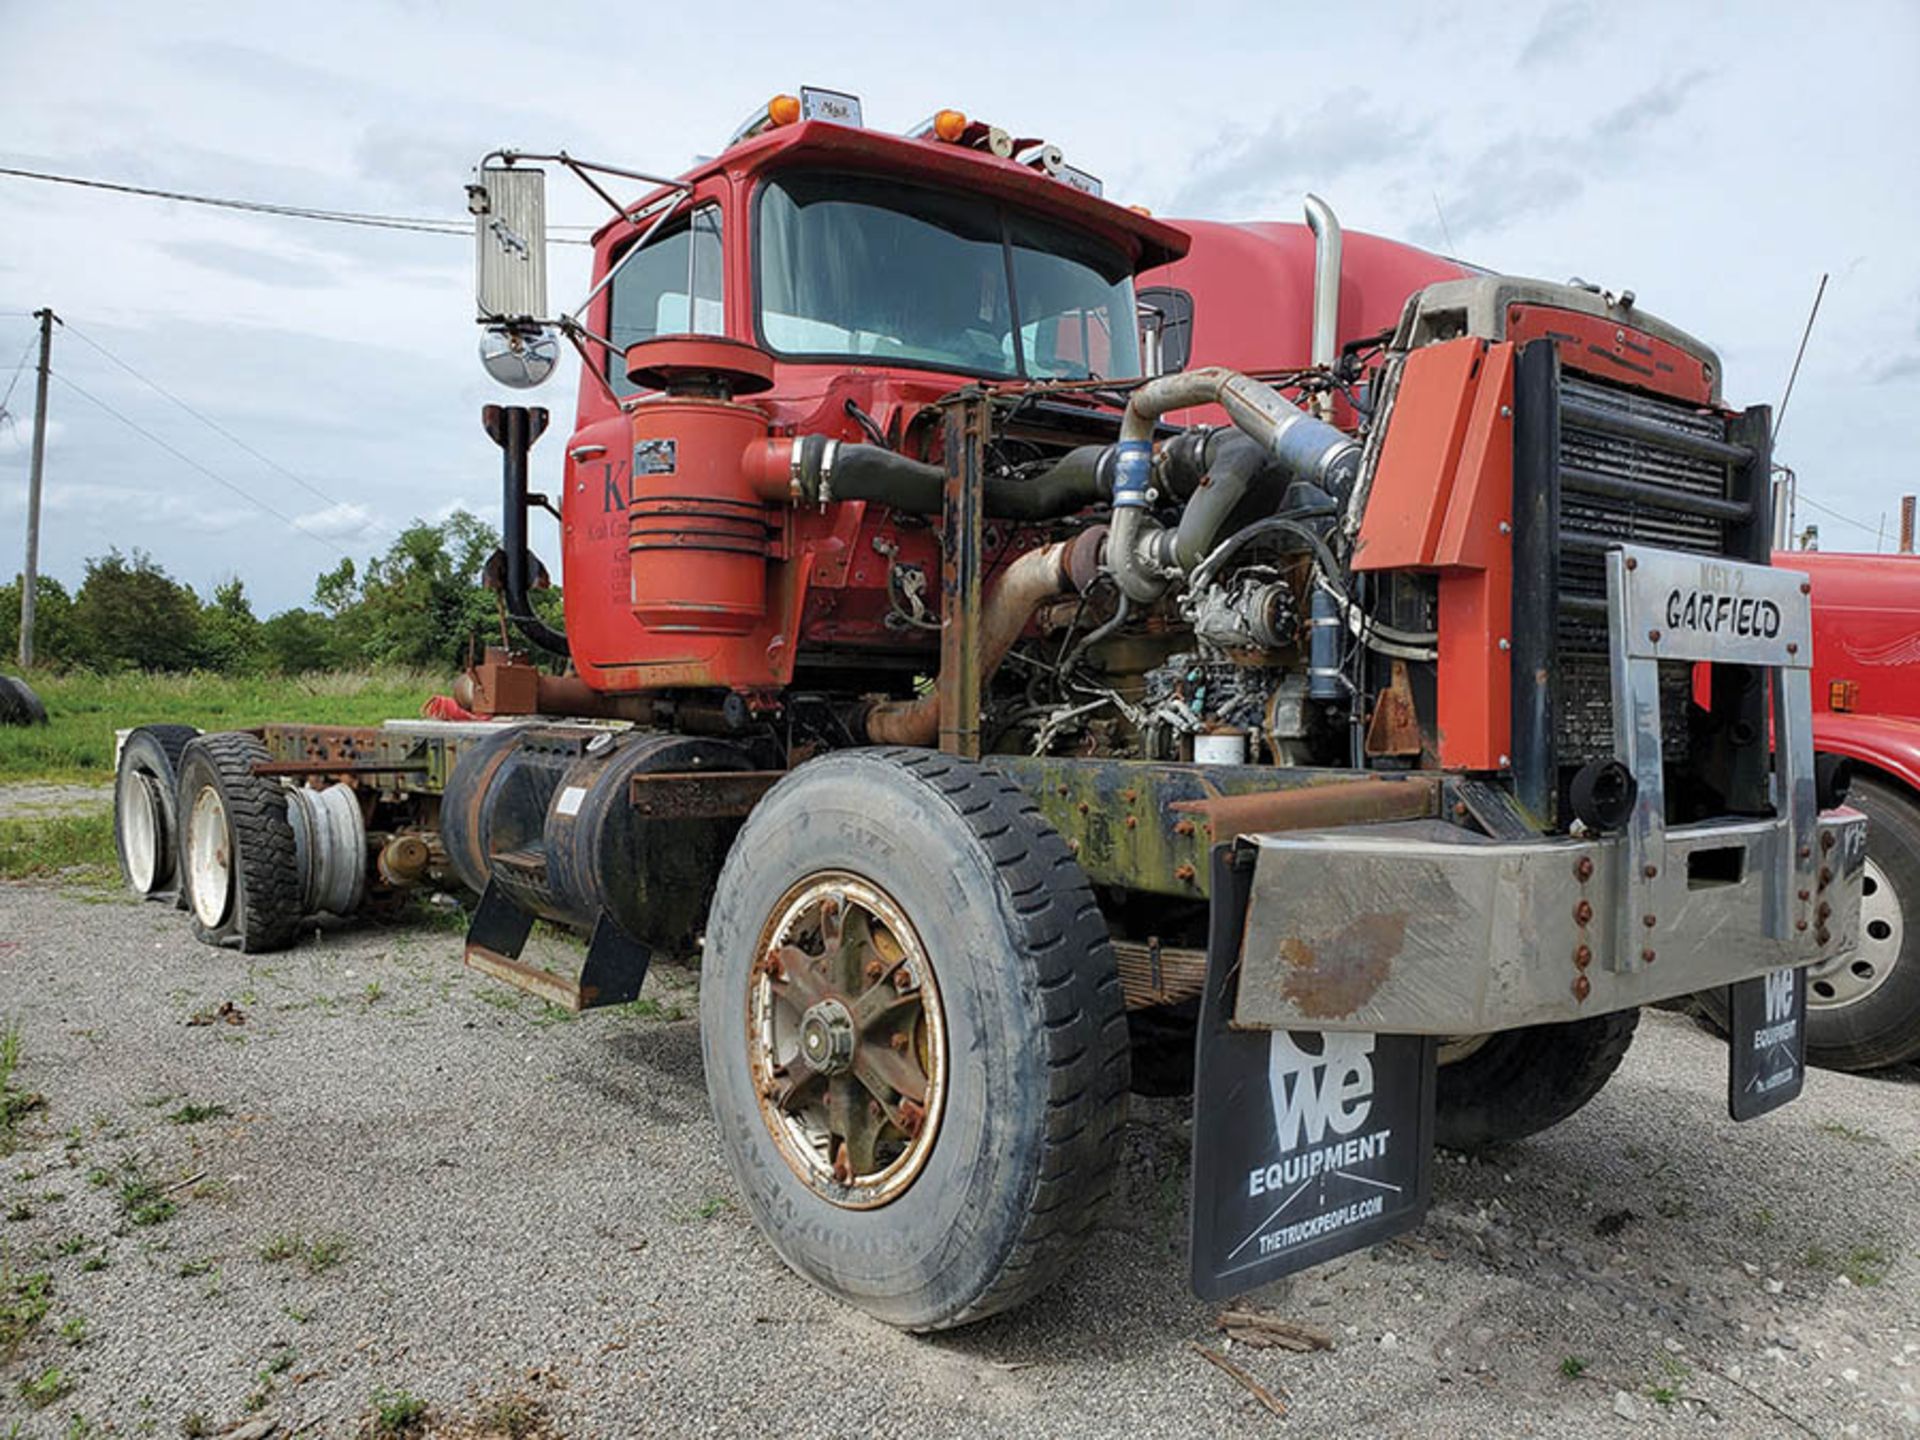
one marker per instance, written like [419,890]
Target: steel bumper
[1426,928]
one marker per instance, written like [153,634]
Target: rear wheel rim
[846,1040]
[138,814]
[1848,979]
[210,857]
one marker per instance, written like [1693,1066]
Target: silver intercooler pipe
[1139,553]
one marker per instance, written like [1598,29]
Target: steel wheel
[1849,979]
[141,818]
[846,1041]
[209,850]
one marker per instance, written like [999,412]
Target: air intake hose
[812,469]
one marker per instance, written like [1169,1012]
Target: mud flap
[1766,1042]
[1306,1144]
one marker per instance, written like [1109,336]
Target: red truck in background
[1244,296]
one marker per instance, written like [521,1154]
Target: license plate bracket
[1306,1144]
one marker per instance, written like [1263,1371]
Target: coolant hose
[1302,447]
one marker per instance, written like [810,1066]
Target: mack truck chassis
[1009,726]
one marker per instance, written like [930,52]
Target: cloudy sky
[1716,159]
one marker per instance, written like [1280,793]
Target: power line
[1829,510]
[185,459]
[18,370]
[209,422]
[425,225]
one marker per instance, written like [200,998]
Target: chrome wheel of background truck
[1863,1008]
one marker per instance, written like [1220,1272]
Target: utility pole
[46,317]
[1906,524]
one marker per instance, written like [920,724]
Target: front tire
[238,872]
[1516,1083]
[901,926]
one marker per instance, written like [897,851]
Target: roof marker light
[780,110]
[948,125]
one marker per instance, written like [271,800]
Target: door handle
[586,452]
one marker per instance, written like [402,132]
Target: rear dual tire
[145,790]
[239,875]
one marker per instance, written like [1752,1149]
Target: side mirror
[509,206]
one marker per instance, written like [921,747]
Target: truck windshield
[856,266]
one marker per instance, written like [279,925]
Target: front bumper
[1428,929]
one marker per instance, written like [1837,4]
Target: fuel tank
[544,813]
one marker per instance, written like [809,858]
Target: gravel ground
[419,1183]
[37,799]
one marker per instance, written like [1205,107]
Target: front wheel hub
[847,1040]
[827,1036]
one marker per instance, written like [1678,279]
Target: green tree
[130,612]
[297,641]
[55,641]
[421,603]
[229,630]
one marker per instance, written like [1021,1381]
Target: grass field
[84,710]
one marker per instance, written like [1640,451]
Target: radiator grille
[1593,459]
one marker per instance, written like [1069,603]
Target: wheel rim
[1849,979]
[138,814]
[209,857]
[846,1041]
